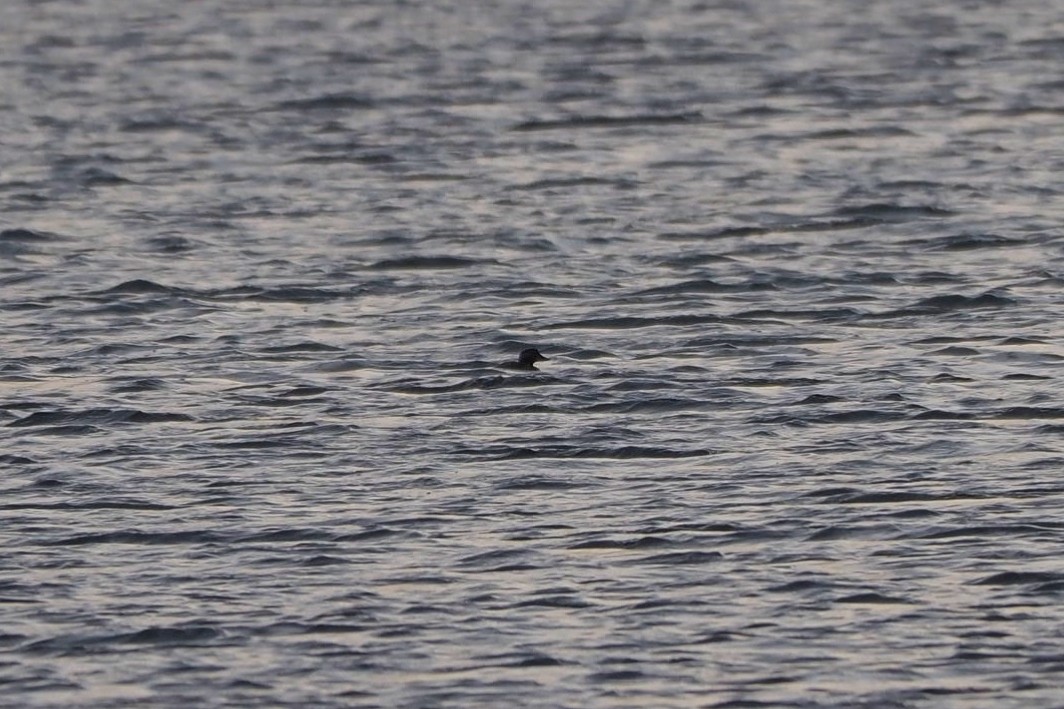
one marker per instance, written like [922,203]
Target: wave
[953,302]
[477,383]
[569,183]
[891,212]
[1015,531]
[301,347]
[192,635]
[947,304]
[644,542]
[92,505]
[537,482]
[572,451]
[28,236]
[730,232]
[1023,413]
[580,122]
[138,537]
[872,597]
[705,285]
[1016,578]
[96,417]
[969,242]
[680,558]
[630,322]
[326,102]
[422,263]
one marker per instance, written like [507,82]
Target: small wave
[818,399]
[302,347]
[680,558]
[138,286]
[175,635]
[702,58]
[302,392]
[495,382]
[292,294]
[633,322]
[611,676]
[841,532]
[66,431]
[525,659]
[955,351]
[826,224]
[721,233]
[518,409]
[140,385]
[968,242]
[948,303]
[27,236]
[838,417]
[367,535]
[859,497]
[705,285]
[655,405]
[988,530]
[755,341]
[254,444]
[491,559]
[871,597]
[283,535]
[96,416]
[860,416]
[560,451]
[1029,412]
[945,304]
[580,122]
[799,586]
[888,212]
[815,315]
[326,102]
[1021,341]
[93,505]
[172,244]
[537,482]
[583,355]
[1023,413]
[947,377]
[23,242]
[364,158]
[1018,578]
[850,133]
[136,537]
[775,382]
[157,123]
[11,459]
[554,601]
[98,177]
[432,177]
[646,542]
[422,263]
[570,183]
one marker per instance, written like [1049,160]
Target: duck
[527,360]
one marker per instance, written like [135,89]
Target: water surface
[797,270]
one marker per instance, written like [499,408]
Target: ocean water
[798,269]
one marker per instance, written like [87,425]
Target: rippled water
[798,269]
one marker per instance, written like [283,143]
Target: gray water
[798,268]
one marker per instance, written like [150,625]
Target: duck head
[528,358]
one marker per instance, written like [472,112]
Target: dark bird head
[528,358]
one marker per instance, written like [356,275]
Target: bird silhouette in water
[527,360]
